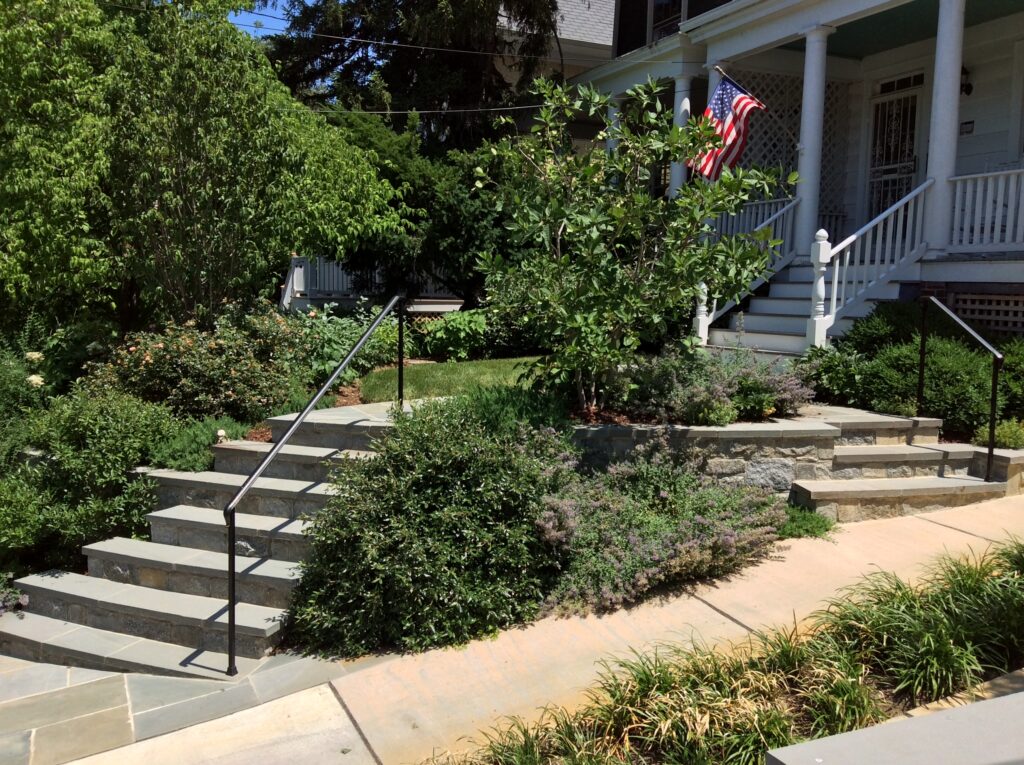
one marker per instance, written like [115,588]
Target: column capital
[819,32]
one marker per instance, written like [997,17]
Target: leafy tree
[609,265]
[341,64]
[190,176]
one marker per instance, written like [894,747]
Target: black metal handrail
[997,365]
[229,508]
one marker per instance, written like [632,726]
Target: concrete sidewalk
[403,710]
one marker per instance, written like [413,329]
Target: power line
[438,49]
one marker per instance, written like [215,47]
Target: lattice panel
[773,136]
[1001,312]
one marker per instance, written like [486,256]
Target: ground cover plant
[475,515]
[880,647]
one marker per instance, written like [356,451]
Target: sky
[246,21]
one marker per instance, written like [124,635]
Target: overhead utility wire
[389,44]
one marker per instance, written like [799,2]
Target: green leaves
[608,266]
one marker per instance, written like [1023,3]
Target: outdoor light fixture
[966,88]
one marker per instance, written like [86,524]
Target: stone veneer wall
[769,455]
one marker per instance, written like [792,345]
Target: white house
[904,120]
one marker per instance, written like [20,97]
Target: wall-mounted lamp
[966,88]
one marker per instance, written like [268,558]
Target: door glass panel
[893,157]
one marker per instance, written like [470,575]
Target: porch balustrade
[988,212]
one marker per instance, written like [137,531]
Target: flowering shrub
[242,369]
[691,386]
[650,522]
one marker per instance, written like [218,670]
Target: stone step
[194,621]
[300,463]
[261,581]
[34,637]
[901,461]
[768,323]
[260,536]
[769,342]
[320,431]
[865,498]
[871,429]
[278,497]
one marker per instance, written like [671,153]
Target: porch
[904,121]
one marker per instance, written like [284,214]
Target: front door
[893,160]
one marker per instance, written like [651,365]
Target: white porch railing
[867,258]
[781,222]
[751,216]
[988,212]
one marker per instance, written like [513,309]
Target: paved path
[402,710]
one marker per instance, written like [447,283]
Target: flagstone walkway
[403,709]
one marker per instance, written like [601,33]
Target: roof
[589,21]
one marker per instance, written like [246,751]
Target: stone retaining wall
[769,455]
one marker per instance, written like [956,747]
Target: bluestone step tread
[244,522]
[898,487]
[291,452]
[43,638]
[173,606]
[190,560]
[895,453]
[228,481]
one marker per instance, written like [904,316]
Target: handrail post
[818,324]
[229,516]
[401,352]
[701,319]
[921,357]
[997,363]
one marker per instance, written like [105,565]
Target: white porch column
[613,119]
[944,125]
[680,114]
[812,123]
[713,76]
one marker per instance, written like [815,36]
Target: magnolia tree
[610,265]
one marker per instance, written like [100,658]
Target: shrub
[696,387]
[458,335]
[18,392]
[1012,377]
[957,384]
[189,448]
[242,369]
[81,489]
[432,541]
[895,323]
[649,522]
[834,372]
[1009,435]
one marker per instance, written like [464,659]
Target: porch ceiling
[903,25]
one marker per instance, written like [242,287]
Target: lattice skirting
[999,312]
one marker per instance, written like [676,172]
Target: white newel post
[702,319]
[818,324]
[680,114]
[944,124]
[812,124]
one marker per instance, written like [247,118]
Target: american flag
[729,111]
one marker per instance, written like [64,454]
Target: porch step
[260,536]
[300,463]
[279,497]
[188,620]
[900,461]
[261,581]
[34,637]
[788,343]
[863,499]
[768,323]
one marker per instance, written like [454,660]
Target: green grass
[801,522]
[447,379]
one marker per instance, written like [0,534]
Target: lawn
[446,379]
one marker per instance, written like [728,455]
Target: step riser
[282,467]
[215,538]
[888,437]
[768,323]
[781,343]
[328,435]
[107,616]
[853,471]
[850,510]
[260,591]
[254,503]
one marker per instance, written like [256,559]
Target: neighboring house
[904,121]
